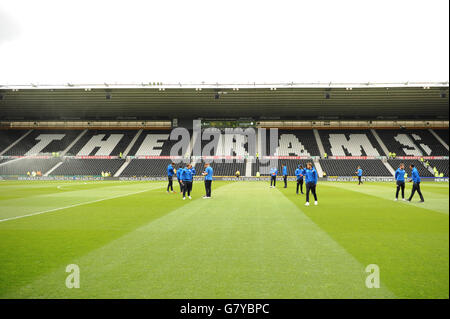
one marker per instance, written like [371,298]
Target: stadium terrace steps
[21,166]
[380,142]
[74,142]
[88,167]
[133,141]
[412,143]
[348,167]
[42,142]
[9,138]
[439,138]
[350,143]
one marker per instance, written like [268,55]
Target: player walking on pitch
[311,179]
[273,177]
[299,173]
[359,172]
[285,174]
[179,172]
[170,173]
[208,173]
[400,180]
[187,177]
[415,178]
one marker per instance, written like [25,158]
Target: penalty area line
[79,204]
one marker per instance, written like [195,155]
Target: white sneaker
[316,203]
[184,198]
[307,204]
[190,197]
[396,199]
[204,197]
[404,199]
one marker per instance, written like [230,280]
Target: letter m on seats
[355,145]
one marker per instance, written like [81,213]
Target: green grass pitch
[133,240]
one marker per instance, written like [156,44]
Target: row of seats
[89,167]
[43,142]
[7,137]
[23,165]
[412,143]
[158,167]
[348,167]
[289,143]
[222,169]
[350,143]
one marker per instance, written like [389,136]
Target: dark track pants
[170,185]
[359,180]
[400,186]
[181,186]
[311,187]
[273,180]
[285,181]
[416,187]
[300,183]
[187,188]
[208,188]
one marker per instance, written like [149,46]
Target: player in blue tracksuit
[359,172]
[400,180]
[179,172]
[299,173]
[285,174]
[311,179]
[208,173]
[273,177]
[416,183]
[170,173]
[187,177]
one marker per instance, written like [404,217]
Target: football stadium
[93,182]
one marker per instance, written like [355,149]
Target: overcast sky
[230,41]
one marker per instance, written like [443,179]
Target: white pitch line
[75,205]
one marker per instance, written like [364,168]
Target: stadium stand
[442,134]
[224,144]
[350,143]
[89,167]
[412,143]
[147,168]
[222,169]
[103,143]
[423,171]
[7,137]
[43,142]
[23,165]
[348,167]
[441,166]
[153,143]
[293,143]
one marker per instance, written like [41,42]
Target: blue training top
[273,171]
[311,175]
[360,171]
[400,175]
[209,175]
[299,173]
[188,174]
[285,170]
[179,172]
[415,175]
[170,171]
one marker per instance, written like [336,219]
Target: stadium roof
[285,101]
